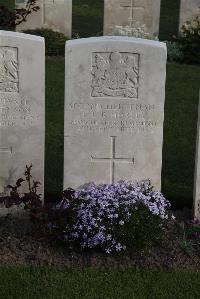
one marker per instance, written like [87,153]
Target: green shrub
[190,41]
[112,217]
[54,41]
[174,51]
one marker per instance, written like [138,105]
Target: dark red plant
[31,199]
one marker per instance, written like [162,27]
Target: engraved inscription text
[110,117]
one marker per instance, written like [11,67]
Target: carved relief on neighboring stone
[9,76]
[115,74]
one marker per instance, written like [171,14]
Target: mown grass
[169,19]
[53,283]
[182,88]
[54,128]
[88,17]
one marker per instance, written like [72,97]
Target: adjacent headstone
[114,110]
[132,13]
[22,107]
[197,172]
[53,14]
[189,9]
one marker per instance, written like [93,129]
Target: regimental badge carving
[9,76]
[115,74]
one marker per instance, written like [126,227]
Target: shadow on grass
[88,17]
[169,19]
[53,283]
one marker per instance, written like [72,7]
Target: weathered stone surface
[189,9]
[22,104]
[197,172]
[53,14]
[132,12]
[114,110]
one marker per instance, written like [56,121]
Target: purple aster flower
[119,247]
[121,222]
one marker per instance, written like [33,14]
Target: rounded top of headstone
[102,39]
[13,34]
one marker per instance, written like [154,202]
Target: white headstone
[53,14]
[132,13]
[197,172]
[189,9]
[22,106]
[114,110]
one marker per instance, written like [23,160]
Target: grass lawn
[53,283]
[169,19]
[88,17]
[179,130]
[182,88]
[54,127]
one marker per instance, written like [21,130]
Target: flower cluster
[136,30]
[104,210]
[191,28]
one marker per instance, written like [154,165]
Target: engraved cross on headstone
[113,159]
[133,8]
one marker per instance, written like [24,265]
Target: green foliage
[113,218]
[54,41]
[143,231]
[7,18]
[190,41]
[174,51]
[8,3]
[186,48]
